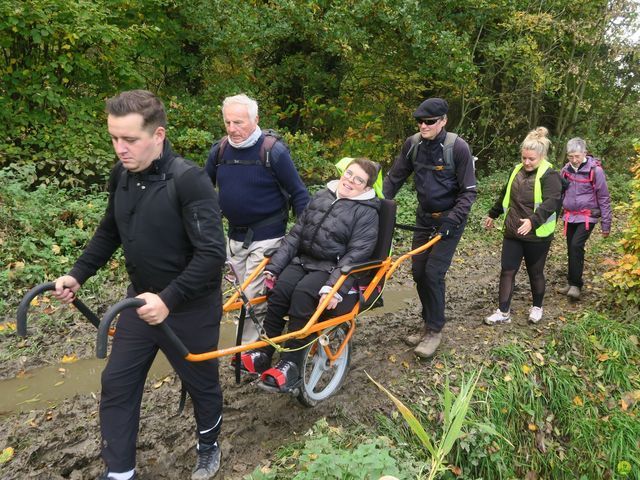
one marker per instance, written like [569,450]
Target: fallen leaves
[629,399]
[457,471]
[6,455]
[8,326]
[159,383]
[538,359]
[69,358]
[577,401]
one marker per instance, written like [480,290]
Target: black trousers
[430,268]
[535,257]
[296,295]
[577,236]
[134,348]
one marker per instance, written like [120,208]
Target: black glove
[447,228]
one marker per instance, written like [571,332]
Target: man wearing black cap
[446,186]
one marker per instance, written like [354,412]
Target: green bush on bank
[42,232]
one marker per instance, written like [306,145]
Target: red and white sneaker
[283,377]
[253,361]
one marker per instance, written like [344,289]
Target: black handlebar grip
[105,323]
[21,314]
[164,326]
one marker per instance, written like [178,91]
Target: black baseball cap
[432,107]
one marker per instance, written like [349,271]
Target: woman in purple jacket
[586,200]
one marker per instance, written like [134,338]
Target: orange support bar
[233,303]
[413,252]
[385,269]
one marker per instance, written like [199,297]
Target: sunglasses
[428,121]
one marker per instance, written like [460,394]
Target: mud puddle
[46,386]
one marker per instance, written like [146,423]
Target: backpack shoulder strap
[219,147]
[118,175]
[447,150]
[592,173]
[416,139]
[271,137]
[176,169]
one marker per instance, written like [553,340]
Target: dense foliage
[342,77]
[624,277]
[42,232]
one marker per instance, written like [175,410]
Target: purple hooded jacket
[587,197]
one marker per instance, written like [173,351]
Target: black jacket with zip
[330,233]
[173,245]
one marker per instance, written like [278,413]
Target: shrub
[624,277]
[43,230]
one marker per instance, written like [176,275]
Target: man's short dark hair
[139,101]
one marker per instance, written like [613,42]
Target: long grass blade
[413,422]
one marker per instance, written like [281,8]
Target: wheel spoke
[316,372]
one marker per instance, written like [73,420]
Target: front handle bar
[112,313]
[37,290]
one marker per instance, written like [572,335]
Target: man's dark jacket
[173,245]
[449,191]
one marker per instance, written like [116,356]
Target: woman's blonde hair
[537,141]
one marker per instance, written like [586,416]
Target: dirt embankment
[62,441]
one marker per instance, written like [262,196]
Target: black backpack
[176,168]
[264,157]
[447,152]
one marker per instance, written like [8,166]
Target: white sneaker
[535,314]
[498,317]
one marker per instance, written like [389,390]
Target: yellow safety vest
[548,227]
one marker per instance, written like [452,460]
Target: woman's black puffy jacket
[330,233]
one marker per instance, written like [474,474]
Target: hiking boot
[207,464]
[284,376]
[574,292]
[564,290]
[535,314]
[498,317]
[254,361]
[427,347]
[415,338]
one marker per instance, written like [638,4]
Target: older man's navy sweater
[249,194]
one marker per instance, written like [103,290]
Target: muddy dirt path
[61,440]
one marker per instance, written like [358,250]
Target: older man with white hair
[257,182]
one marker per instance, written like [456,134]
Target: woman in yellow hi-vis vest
[530,201]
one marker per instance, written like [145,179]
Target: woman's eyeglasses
[348,174]
[428,121]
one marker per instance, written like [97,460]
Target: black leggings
[535,256]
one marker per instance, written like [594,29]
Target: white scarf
[250,141]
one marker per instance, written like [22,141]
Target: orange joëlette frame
[385,270]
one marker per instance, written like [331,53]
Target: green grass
[566,408]
[561,405]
